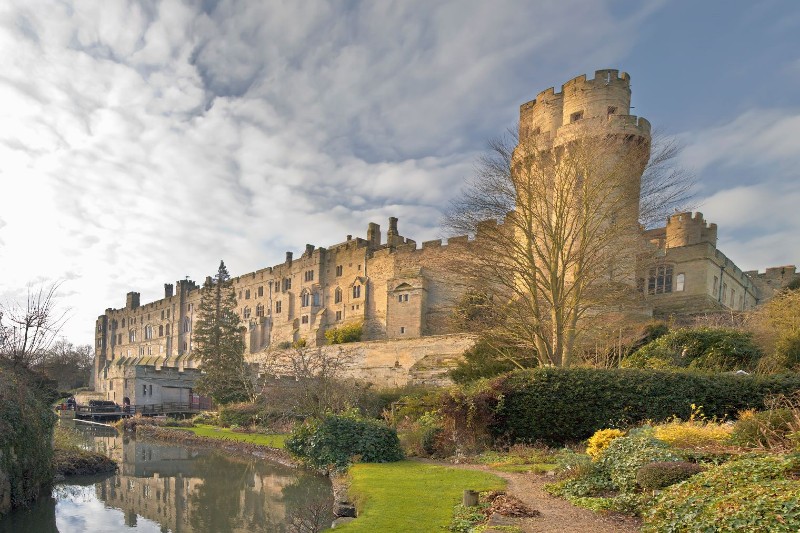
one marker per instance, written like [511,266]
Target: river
[162,487]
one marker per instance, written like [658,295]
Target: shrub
[718,349]
[659,475]
[484,360]
[241,414]
[346,333]
[749,494]
[600,441]
[26,434]
[335,440]
[557,405]
[625,455]
[763,428]
[697,432]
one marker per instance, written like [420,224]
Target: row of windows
[659,281]
[165,314]
[285,284]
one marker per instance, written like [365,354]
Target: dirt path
[557,515]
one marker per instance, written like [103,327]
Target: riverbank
[219,440]
[76,462]
[71,459]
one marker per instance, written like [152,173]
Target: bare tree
[68,364]
[309,381]
[557,232]
[28,330]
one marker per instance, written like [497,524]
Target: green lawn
[273,441]
[410,496]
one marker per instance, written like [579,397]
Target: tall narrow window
[247,294]
[680,281]
[259,310]
[356,291]
[338,270]
[261,291]
[337,295]
[338,315]
[161,330]
[309,275]
[246,312]
[148,332]
[660,280]
[278,306]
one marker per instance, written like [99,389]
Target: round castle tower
[592,108]
[603,101]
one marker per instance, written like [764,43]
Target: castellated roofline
[602,78]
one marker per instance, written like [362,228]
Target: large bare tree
[557,232]
[27,330]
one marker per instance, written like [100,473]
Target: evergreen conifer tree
[220,344]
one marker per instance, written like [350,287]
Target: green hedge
[26,435]
[335,440]
[555,406]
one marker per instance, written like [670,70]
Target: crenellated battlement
[686,229]
[582,103]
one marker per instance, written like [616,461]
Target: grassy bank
[70,459]
[213,432]
[410,496]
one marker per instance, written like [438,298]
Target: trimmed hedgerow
[556,405]
[750,494]
[659,475]
[336,440]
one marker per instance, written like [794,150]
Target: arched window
[148,332]
[337,295]
[187,325]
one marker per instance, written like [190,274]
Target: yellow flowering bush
[600,441]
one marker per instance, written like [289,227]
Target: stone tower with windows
[598,107]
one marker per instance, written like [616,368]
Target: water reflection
[161,487]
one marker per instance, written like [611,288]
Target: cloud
[142,141]
[750,184]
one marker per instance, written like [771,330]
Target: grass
[273,441]
[520,459]
[535,468]
[410,496]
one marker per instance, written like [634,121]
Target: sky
[143,141]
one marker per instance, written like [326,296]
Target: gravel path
[557,515]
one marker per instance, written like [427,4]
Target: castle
[403,293]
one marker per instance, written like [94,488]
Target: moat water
[169,488]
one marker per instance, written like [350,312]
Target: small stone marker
[470,498]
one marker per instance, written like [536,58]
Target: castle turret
[132,300]
[374,234]
[683,229]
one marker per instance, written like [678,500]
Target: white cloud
[748,168]
[143,142]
